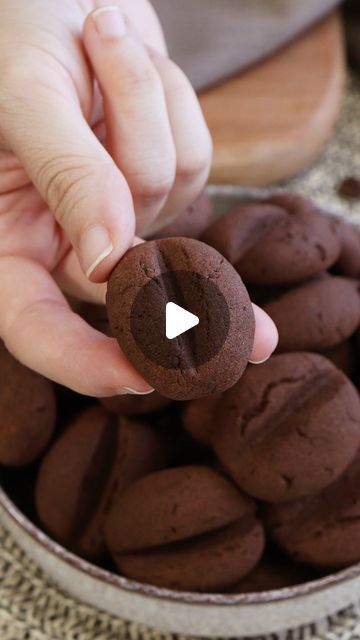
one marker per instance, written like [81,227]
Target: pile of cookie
[254,483]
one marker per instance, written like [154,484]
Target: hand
[71,196]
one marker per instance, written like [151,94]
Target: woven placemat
[33,608]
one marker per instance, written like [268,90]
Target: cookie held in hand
[208,358]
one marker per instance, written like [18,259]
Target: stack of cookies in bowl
[230,477]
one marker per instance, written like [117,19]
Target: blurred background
[279,84]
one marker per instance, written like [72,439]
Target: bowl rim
[182,597]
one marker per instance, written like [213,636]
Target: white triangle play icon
[178,320]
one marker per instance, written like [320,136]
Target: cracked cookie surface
[289,427]
[322,530]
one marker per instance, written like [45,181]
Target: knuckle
[15,73]
[150,190]
[178,84]
[193,169]
[138,77]
[63,185]
[14,76]
[13,94]
[194,162]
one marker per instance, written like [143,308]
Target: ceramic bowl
[204,615]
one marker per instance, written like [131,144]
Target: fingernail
[109,22]
[134,392]
[95,246]
[260,361]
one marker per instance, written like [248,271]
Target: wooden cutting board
[272,120]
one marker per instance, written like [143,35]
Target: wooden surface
[272,121]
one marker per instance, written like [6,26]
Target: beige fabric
[32,608]
[340,159]
[211,39]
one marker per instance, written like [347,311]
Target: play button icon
[181,316]
[178,320]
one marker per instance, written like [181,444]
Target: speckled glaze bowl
[206,615]
[180,612]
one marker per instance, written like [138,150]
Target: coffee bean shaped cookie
[342,356]
[198,418]
[191,223]
[208,358]
[129,405]
[242,228]
[348,263]
[271,573]
[125,405]
[93,460]
[289,428]
[302,245]
[322,530]
[180,448]
[187,528]
[27,412]
[316,315]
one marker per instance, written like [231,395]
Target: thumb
[75,175]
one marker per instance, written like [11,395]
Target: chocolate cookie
[296,248]
[342,356]
[126,405]
[211,356]
[191,223]
[185,528]
[94,459]
[316,315]
[96,316]
[180,448]
[198,418]
[129,405]
[288,428]
[27,412]
[261,294]
[243,228]
[348,263]
[322,530]
[273,573]
[350,188]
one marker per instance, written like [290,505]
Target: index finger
[39,328]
